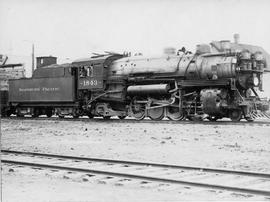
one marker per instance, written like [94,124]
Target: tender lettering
[50,89]
[28,89]
[44,89]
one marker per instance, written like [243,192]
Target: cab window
[86,71]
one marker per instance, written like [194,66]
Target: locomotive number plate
[88,83]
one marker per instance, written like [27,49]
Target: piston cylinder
[148,89]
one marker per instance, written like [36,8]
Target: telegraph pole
[33,59]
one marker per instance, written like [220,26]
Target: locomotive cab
[90,74]
[92,81]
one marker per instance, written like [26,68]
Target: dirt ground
[234,146]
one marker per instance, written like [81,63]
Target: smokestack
[236,38]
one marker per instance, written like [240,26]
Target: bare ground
[233,146]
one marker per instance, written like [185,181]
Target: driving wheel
[156,113]
[174,114]
[137,110]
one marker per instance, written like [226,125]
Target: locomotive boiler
[220,79]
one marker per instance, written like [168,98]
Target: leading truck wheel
[212,118]
[236,115]
[249,119]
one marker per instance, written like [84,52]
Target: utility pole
[33,59]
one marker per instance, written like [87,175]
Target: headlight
[256,81]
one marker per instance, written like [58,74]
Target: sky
[71,29]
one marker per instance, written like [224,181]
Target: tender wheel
[5,113]
[75,113]
[236,115]
[35,113]
[156,113]
[174,114]
[137,110]
[8,113]
[90,116]
[49,113]
[106,117]
[121,117]
[19,114]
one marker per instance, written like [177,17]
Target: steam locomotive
[220,79]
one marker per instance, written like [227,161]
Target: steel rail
[142,177]
[223,122]
[206,169]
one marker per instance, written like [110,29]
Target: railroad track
[231,180]
[221,122]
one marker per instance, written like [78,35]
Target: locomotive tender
[218,80]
